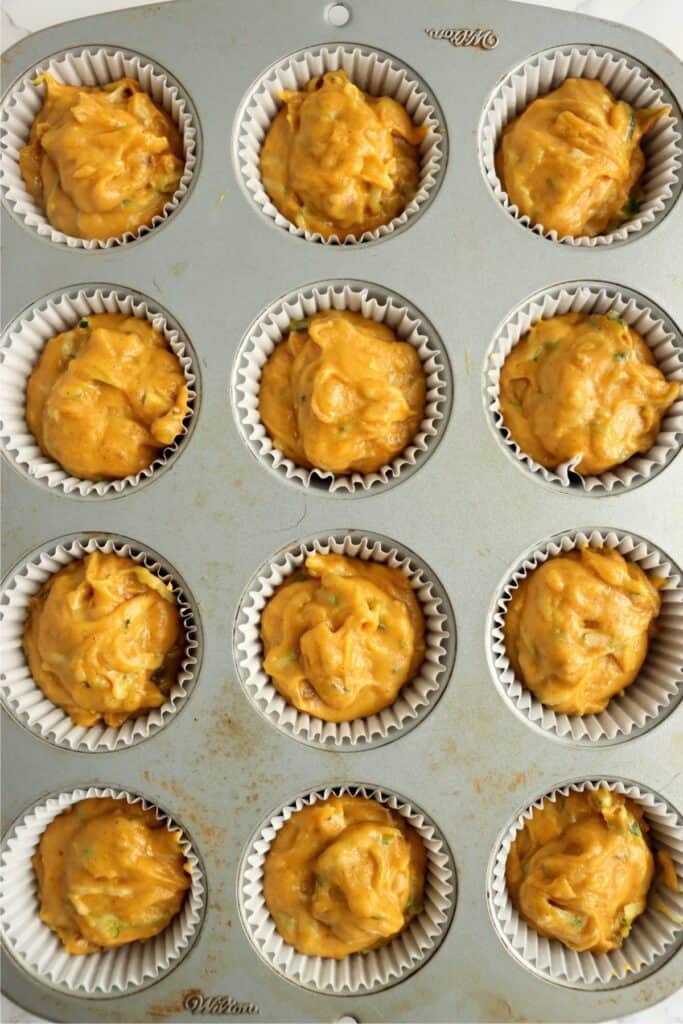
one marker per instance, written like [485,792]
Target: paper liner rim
[193,907]
[245,399]
[187,122]
[96,739]
[46,472]
[440,880]
[489,136]
[499,902]
[408,710]
[576,729]
[249,169]
[640,467]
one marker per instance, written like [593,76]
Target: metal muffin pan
[216,515]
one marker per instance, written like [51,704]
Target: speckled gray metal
[217,514]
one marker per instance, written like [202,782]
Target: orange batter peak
[580,869]
[342,637]
[572,161]
[338,161]
[101,160]
[108,873]
[342,393]
[343,876]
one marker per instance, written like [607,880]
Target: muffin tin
[472,762]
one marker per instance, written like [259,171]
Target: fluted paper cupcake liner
[655,936]
[374,72]
[658,687]
[374,303]
[659,333]
[628,81]
[24,699]
[38,950]
[359,972]
[415,700]
[89,66]
[20,349]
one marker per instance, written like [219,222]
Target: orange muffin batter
[343,876]
[342,393]
[342,637]
[577,628]
[580,869]
[101,160]
[338,161]
[583,386]
[572,160]
[103,639]
[108,873]
[106,397]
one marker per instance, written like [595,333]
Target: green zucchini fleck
[631,126]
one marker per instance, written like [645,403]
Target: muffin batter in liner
[415,700]
[659,685]
[27,703]
[38,949]
[374,303]
[374,72]
[626,80]
[89,66]
[21,347]
[358,973]
[654,937]
[659,334]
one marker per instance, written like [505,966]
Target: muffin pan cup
[39,950]
[20,694]
[89,66]
[657,330]
[416,699]
[20,349]
[374,72]
[656,934]
[626,80]
[360,972]
[233,523]
[374,303]
[658,686]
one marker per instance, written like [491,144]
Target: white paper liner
[659,684]
[357,973]
[90,66]
[627,81]
[416,699]
[27,703]
[374,303]
[373,71]
[659,334]
[20,349]
[38,949]
[654,936]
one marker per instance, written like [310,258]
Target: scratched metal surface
[468,512]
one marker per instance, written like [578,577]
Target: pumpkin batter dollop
[572,160]
[338,161]
[106,397]
[101,160]
[342,637]
[103,639]
[577,628]
[344,875]
[342,393]
[580,869]
[584,387]
[108,872]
